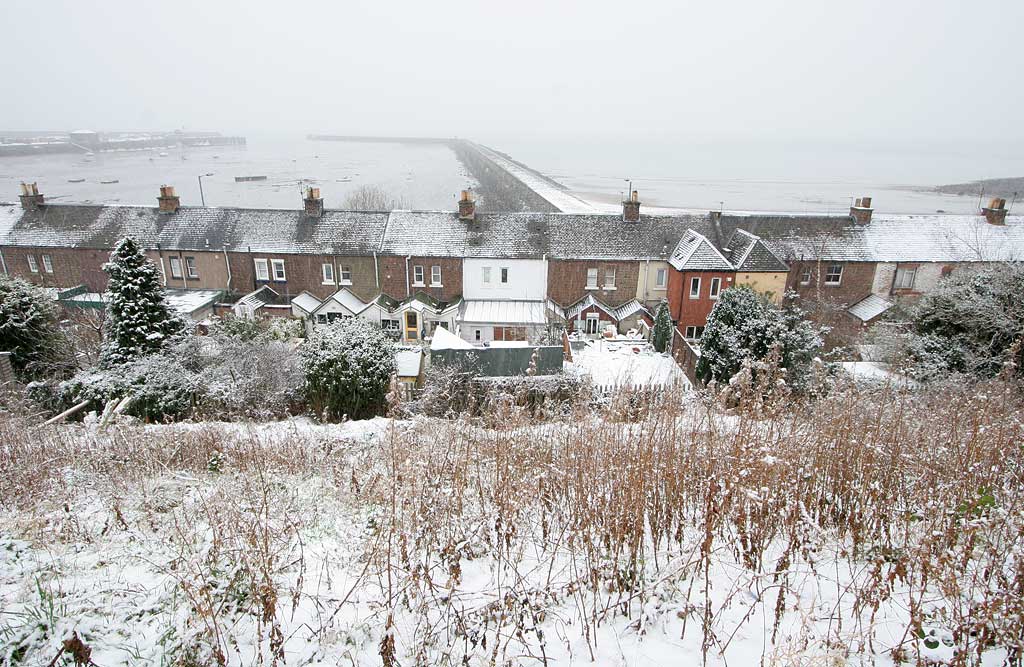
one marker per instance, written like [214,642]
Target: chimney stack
[313,203]
[467,207]
[169,202]
[995,212]
[631,208]
[861,210]
[30,197]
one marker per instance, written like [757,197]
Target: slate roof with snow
[197,228]
[631,308]
[696,253]
[869,307]
[188,301]
[504,312]
[574,310]
[750,254]
[306,302]
[349,301]
[888,238]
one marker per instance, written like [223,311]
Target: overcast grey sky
[944,72]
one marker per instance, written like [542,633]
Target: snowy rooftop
[408,363]
[626,364]
[869,308]
[306,302]
[505,312]
[696,253]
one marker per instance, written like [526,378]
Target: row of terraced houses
[502,276]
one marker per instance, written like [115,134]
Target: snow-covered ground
[622,363]
[436,542]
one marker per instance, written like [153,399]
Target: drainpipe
[544,258]
[408,287]
[647,280]
[376,271]
[163,269]
[184,271]
[3,264]
[227,265]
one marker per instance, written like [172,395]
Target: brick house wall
[855,284]
[567,280]
[210,266]
[393,282]
[686,311]
[71,266]
[303,273]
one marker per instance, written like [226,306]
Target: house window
[321,318]
[609,278]
[278,265]
[190,266]
[390,325]
[328,273]
[504,275]
[486,277]
[346,275]
[834,274]
[591,278]
[694,333]
[716,287]
[805,276]
[476,334]
[904,278]
[262,273]
[592,323]
[661,279]
[695,288]
[47,264]
[417,276]
[175,267]
[435,276]
[32,266]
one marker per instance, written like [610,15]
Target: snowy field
[684,537]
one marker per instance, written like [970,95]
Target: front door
[591,325]
[412,325]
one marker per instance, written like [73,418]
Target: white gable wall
[527,279]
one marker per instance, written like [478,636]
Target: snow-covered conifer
[138,319]
[662,334]
[28,326]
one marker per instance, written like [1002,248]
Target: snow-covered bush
[158,387]
[348,366]
[138,320]
[662,334]
[266,329]
[745,325]
[29,327]
[972,323]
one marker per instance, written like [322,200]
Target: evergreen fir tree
[662,333]
[744,325]
[138,319]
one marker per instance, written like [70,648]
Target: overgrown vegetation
[29,328]
[875,526]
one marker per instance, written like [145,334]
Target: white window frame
[176,272]
[805,275]
[262,269]
[435,275]
[900,281]
[417,276]
[661,279]
[693,333]
[191,268]
[503,275]
[277,270]
[346,275]
[695,293]
[485,275]
[33,266]
[839,276]
[389,324]
[592,277]
[596,319]
[47,264]
[609,278]
[716,288]
[327,273]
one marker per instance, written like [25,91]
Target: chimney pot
[631,208]
[467,207]
[995,212]
[168,201]
[30,197]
